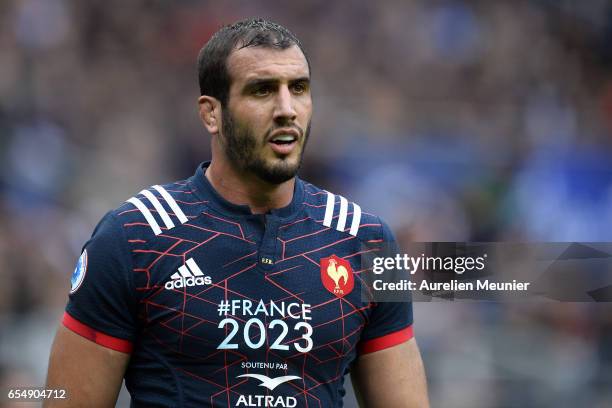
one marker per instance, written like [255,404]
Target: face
[267,121]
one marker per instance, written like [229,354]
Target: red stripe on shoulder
[386,341]
[97,337]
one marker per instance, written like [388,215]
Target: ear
[210,113]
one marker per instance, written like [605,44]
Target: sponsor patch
[79,272]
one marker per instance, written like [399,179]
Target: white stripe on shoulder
[160,209]
[329,209]
[147,214]
[356,220]
[343,213]
[173,205]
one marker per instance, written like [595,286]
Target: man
[240,286]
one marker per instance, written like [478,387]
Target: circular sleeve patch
[79,272]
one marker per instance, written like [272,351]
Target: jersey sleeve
[101,305]
[390,323]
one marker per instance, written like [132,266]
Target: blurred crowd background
[454,120]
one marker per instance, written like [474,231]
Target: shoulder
[159,208]
[337,212]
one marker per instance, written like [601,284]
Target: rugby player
[239,286]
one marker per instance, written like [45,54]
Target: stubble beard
[241,147]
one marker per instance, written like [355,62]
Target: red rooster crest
[337,275]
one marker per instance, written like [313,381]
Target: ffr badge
[337,275]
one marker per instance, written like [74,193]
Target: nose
[284,111]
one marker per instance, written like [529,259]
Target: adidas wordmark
[189,274]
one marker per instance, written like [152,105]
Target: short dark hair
[213,75]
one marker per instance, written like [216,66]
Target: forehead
[265,62]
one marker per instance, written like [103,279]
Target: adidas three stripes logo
[165,217]
[189,274]
[342,216]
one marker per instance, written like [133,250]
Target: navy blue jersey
[223,308]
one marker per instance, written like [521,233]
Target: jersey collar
[208,193]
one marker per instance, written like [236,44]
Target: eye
[299,88]
[262,91]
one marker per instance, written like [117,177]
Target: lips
[283,141]
[284,133]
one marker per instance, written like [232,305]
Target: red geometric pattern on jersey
[176,360]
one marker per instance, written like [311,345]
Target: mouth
[283,141]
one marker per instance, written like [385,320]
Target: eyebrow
[272,81]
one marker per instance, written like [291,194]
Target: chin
[277,171]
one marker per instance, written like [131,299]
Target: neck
[247,189]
